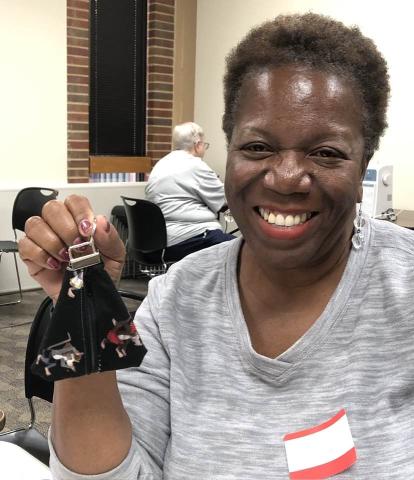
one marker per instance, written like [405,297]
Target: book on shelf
[116,177]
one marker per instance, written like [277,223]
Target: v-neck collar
[281,367]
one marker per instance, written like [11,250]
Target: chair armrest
[132,295]
[2,420]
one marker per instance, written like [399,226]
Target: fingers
[44,249]
[35,257]
[61,221]
[107,240]
[65,224]
[48,236]
[41,266]
[82,213]
[42,245]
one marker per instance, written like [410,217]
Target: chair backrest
[28,203]
[147,231]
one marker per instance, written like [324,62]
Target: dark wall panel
[117,77]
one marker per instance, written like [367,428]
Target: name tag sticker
[322,451]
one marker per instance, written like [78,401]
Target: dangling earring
[228,217]
[358,236]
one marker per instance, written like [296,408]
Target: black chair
[28,203]
[120,222]
[2,420]
[147,235]
[28,437]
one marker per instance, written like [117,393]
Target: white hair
[186,135]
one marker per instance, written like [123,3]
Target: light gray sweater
[189,194]
[205,405]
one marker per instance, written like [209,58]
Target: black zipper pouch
[89,330]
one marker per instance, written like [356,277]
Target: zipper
[83,319]
[91,325]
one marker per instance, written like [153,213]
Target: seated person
[189,193]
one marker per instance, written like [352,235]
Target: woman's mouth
[280,219]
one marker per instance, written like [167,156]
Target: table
[17,464]
[405,218]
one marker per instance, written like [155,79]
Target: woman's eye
[327,153]
[256,147]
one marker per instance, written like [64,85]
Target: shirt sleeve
[145,390]
[145,394]
[210,187]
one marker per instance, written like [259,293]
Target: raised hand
[44,248]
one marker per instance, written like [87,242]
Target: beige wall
[222,23]
[33,80]
[33,90]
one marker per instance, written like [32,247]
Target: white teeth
[283,221]
[264,213]
[289,221]
[280,220]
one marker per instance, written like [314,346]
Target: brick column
[78,90]
[160,63]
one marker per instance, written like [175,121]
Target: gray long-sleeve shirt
[189,194]
[205,405]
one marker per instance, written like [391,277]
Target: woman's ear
[364,164]
[360,193]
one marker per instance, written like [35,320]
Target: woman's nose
[286,173]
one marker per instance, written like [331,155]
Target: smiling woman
[284,353]
[296,152]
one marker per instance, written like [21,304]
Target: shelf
[115,164]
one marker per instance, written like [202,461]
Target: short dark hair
[321,43]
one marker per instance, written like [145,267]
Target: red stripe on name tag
[318,428]
[328,469]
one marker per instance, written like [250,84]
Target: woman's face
[295,165]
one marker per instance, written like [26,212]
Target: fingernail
[53,263]
[107,227]
[85,225]
[64,254]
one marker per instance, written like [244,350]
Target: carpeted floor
[15,322]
